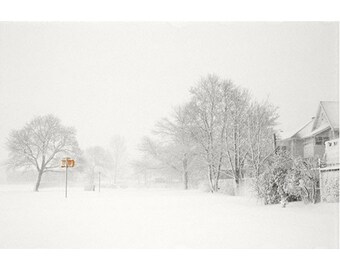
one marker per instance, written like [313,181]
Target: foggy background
[119,78]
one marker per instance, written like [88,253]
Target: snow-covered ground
[149,218]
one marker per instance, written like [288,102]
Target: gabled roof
[331,109]
[303,131]
[317,131]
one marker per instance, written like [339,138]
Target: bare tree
[166,158]
[140,168]
[147,165]
[222,126]
[119,155]
[260,126]
[180,150]
[208,123]
[237,106]
[41,144]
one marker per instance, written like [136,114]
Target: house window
[321,140]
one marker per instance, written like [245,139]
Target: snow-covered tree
[41,144]
[260,126]
[178,150]
[237,109]
[222,127]
[206,111]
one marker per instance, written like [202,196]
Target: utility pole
[274,137]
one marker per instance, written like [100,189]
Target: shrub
[303,180]
[287,179]
[270,185]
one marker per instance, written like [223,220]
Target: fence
[329,184]
[329,175]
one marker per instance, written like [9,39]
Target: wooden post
[274,137]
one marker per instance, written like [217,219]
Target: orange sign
[67,163]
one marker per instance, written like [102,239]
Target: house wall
[319,149]
[308,148]
[294,146]
[297,148]
[284,145]
[315,146]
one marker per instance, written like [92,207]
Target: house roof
[331,109]
[303,131]
[317,131]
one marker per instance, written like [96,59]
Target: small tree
[41,144]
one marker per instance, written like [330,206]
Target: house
[309,140]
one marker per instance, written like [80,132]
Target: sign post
[66,181]
[65,163]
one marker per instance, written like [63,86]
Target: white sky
[119,78]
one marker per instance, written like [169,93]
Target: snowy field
[150,218]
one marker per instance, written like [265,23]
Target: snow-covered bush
[270,186]
[288,179]
[303,179]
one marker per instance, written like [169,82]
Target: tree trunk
[186,180]
[210,179]
[237,178]
[185,172]
[236,188]
[36,188]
